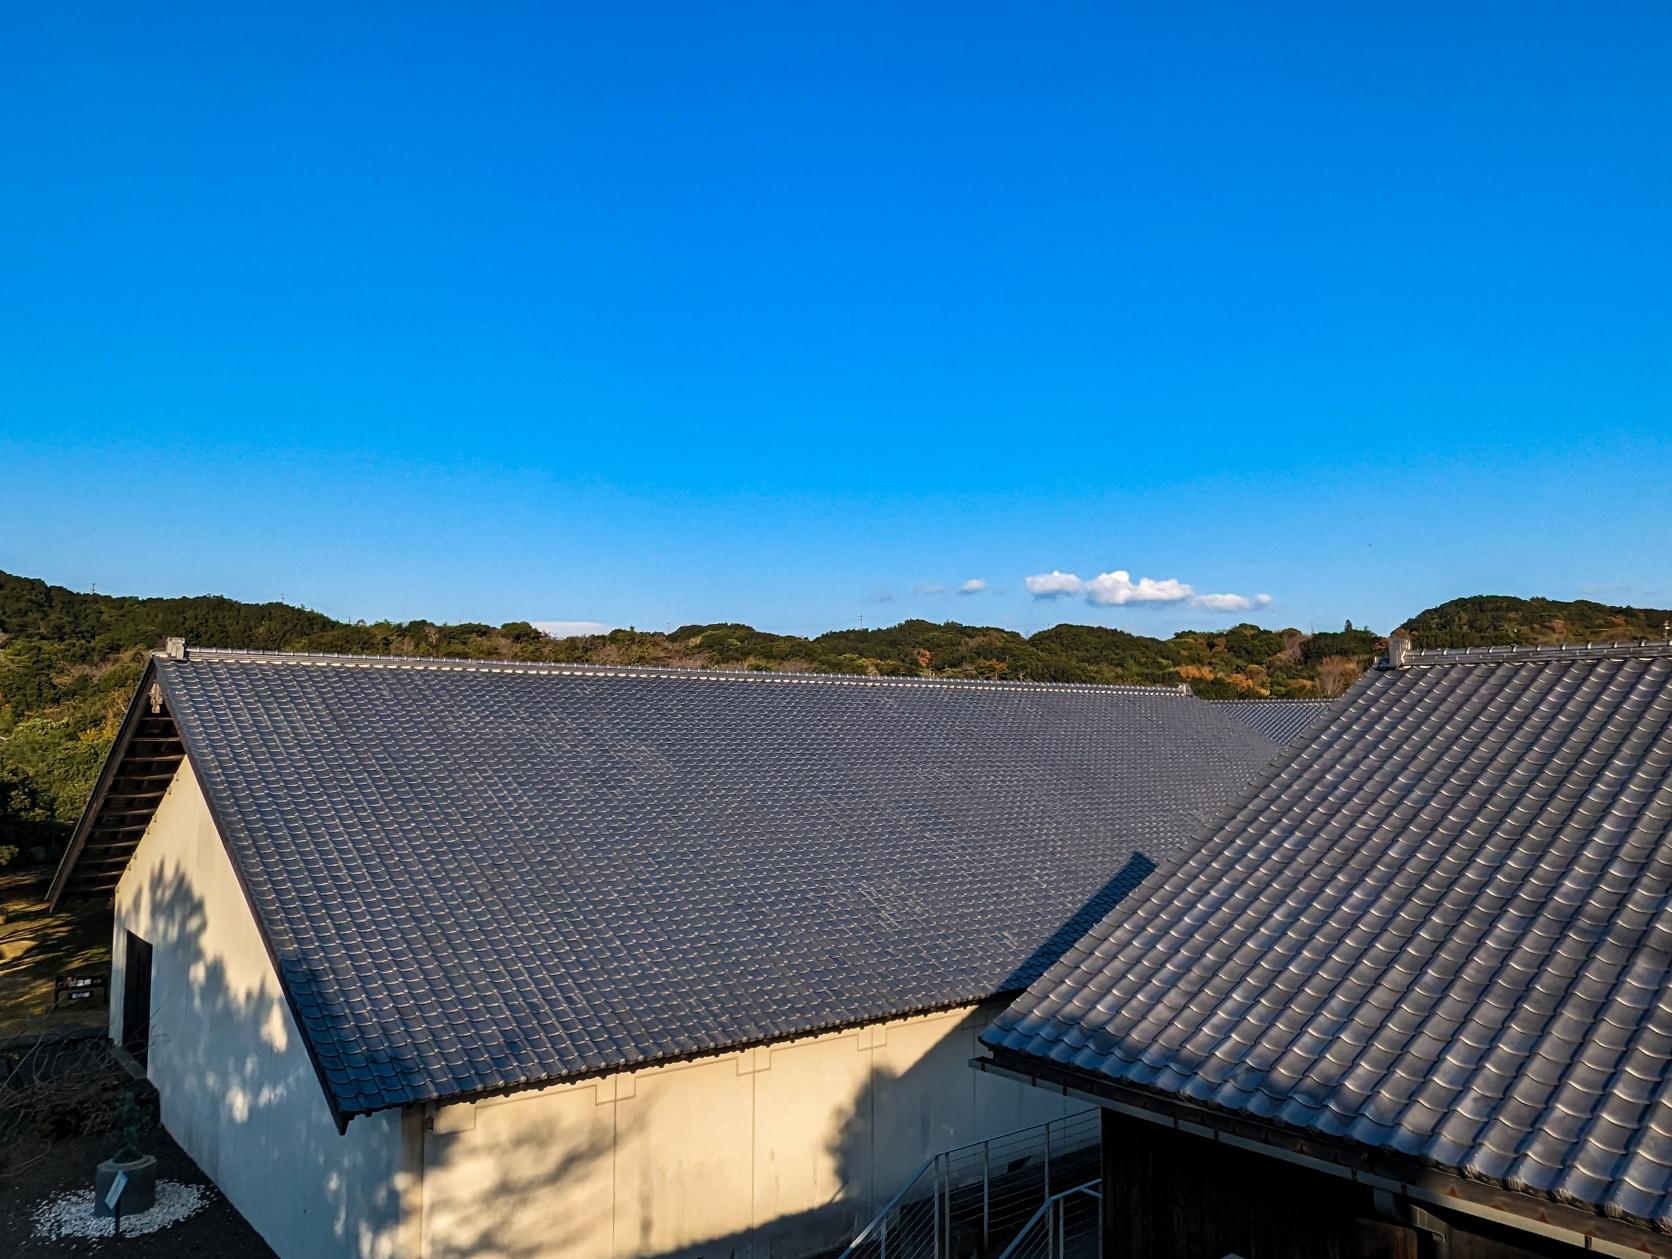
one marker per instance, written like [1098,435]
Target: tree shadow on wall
[242,1097]
[528,1180]
[901,1115]
[238,1090]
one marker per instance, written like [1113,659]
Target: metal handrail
[882,1213]
[1089,1188]
[878,1225]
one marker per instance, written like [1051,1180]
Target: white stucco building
[441,958]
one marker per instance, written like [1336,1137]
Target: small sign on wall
[80,988]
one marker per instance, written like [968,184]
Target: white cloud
[973,586]
[1053,585]
[1117,588]
[572,629]
[1229,603]
[928,588]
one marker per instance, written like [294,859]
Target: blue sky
[665,313]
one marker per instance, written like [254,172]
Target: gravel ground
[215,1229]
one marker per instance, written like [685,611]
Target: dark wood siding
[1171,1195]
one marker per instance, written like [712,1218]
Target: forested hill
[69,660]
[1498,620]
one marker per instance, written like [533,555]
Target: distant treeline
[68,662]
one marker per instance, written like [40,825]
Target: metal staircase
[1068,1225]
[1023,1195]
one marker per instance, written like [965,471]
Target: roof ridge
[1274,699]
[1529,652]
[242,655]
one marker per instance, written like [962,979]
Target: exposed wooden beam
[135,804]
[159,762]
[78,890]
[111,819]
[130,828]
[135,784]
[99,848]
[98,861]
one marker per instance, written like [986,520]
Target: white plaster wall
[769,1153]
[237,1088]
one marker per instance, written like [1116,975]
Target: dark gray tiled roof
[477,877]
[1283,721]
[1442,929]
